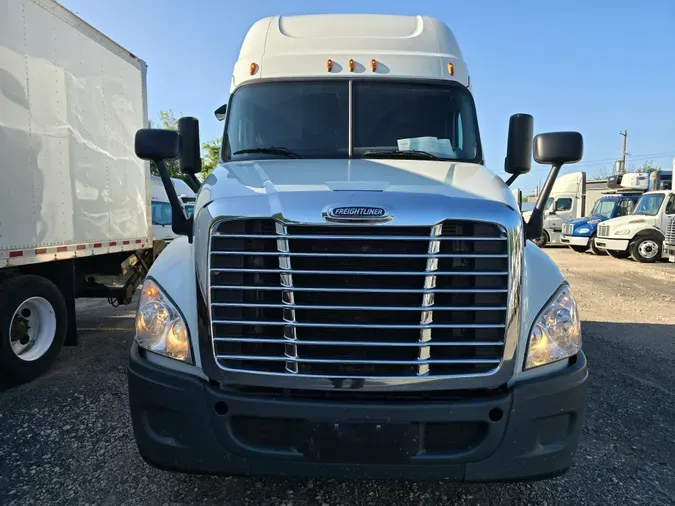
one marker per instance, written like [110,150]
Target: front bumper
[183,423]
[613,244]
[574,240]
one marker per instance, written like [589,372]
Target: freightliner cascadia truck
[355,294]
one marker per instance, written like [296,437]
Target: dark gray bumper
[182,423]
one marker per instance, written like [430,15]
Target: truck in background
[354,295]
[641,234]
[75,202]
[625,191]
[570,198]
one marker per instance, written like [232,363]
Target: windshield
[548,203]
[310,119]
[161,213]
[604,208]
[649,204]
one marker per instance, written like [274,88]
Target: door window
[625,207]
[670,206]
[564,204]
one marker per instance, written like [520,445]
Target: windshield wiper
[270,150]
[396,153]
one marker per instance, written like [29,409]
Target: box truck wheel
[646,249]
[33,321]
[594,248]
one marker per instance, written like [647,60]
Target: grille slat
[670,232]
[359,302]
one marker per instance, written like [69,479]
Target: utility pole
[622,167]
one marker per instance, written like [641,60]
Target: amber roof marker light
[373,65]
[451,69]
[253,67]
[351,65]
[329,65]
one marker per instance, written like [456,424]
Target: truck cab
[580,234]
[354,294]
[642,233]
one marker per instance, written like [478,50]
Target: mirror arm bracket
[510,180]
[180,224]
[535,226]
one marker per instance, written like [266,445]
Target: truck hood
[458,180]
[631,219]
[586,220]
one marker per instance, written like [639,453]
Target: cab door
[668,214]
[561,211]
[624,208]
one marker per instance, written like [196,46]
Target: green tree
[211,155]
[647,166]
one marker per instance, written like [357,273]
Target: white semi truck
[74,200]
[643,233]
[355,294]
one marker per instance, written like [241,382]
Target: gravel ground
[66,438]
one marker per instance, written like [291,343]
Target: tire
[30,303]
[646,249]
[594,248]
[542,241]
[579,249]
[618,254]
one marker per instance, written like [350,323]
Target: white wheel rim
[648,249]
[32,329]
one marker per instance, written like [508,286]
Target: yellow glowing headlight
[159,326]
[556,333]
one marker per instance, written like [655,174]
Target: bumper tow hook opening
[221,408]
[496,414]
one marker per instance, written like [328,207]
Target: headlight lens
[583,230]
[623,231]
[159,326]
[556,333]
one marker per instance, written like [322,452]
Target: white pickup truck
[355,295]
[642,233]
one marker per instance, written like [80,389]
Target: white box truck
[74,200]
[355,295]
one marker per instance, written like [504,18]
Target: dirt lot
[66,438]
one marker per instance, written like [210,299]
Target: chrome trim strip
[366,273]
[287,298]
[358,255]
[360,290]
[362,325]
[426,317]
[360,237]
[357,343]
[363,308]
[263,358]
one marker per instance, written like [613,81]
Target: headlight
[583,230]
[159,326]
[622,231]
[556,333]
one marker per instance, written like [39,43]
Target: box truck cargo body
[74,201]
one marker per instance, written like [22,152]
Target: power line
[592,163]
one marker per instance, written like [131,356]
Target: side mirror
[519,148]
[156,144]
[160,146]
[220,112]
[558,148]
[555,148]
[190,160]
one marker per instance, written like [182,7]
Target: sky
[594,66]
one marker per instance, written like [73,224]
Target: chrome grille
[567,229]
[357,301]
[603,230]
[670,232]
